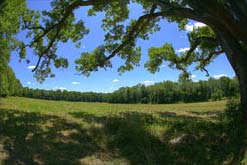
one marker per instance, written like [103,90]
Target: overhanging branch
[132,34]
[59,25]
[204,61]
[195,45]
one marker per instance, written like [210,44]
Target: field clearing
[62,108]
[36,131]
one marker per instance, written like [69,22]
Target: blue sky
[110,80]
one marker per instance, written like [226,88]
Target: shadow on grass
[206,113]
[200,141]
[33,138]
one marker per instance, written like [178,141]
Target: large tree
[225,32]
[10,12]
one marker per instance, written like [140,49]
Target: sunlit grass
[63,107]
[36,131]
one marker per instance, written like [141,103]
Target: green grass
[56,132]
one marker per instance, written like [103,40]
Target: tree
[10,12]
[225,32]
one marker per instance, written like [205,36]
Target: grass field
[56,132]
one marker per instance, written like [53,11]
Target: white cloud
[60,88]
[30,83]
[31,67]
[193,76]
[115,80]
[191,26]
[182,50]
[83,47]
[218,76]
[148,82]
[75,83]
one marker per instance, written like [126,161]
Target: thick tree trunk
[243,90]
[237,56]
[240,67]
[239,64]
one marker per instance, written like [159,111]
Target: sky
[110,80]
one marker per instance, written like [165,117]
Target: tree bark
[243,90]
[237,56]
[239,64]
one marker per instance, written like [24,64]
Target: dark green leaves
[158,55]
[121,35]
[89,62]
[57,25]
[61,62]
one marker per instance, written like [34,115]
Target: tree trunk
[240,67]
[243,90]
[241,72]
[237,56]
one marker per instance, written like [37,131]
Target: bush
[233,110]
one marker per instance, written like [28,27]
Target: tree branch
[197,42]
[46,50]
[204,61]
[132,34]
[33,27]
[58,25]
[67,13]
[179,12]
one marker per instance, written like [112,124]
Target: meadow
[36,131]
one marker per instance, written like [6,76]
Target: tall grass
[49,132]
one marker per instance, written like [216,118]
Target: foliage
[9,84]
[121,33]
[159,93]
[10,13]
[64,95]
[233,110]
[173,92]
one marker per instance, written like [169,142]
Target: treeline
[64,95]
[9,84]
[159,93]
[173,92]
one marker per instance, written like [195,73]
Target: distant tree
[217,95]
[159,93]
[225,32]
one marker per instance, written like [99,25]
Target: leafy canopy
[48,28]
